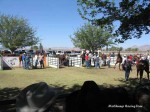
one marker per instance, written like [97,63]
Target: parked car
[51,53]
[18,52]
[77,52]
[6,52]
[67,52]
[32,52]
[59,52]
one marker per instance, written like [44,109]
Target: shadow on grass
[132,83]
[8,95]
[7,99]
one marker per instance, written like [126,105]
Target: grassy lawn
[68,78]
[64,77]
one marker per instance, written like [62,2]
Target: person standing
[23,60]
[104,59]
[41,59]
[127,67]
[108,61]
[97,62]
[36,59]
[44,60]
[90,58]
[20,60]
[123,61]
[83,57]
[87,60]
[67,60]
[27,61]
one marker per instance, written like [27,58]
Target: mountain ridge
[141,47]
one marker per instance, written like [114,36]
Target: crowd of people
[105,59]
[28,61]
[98,59]
[127,61]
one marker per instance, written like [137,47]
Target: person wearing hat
[37,97]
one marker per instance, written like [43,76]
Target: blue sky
[54,20]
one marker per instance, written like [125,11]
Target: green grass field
[64,77]
[68,78]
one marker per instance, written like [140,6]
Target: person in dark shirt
[23,60]
[127,68]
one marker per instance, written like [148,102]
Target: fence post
[81,61]
[1,63]
[71,62]
[57,62]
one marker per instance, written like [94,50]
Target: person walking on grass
[127,67]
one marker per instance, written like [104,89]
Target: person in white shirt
[41,60]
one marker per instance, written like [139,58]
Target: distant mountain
[142,48]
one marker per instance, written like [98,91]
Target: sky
[54,20]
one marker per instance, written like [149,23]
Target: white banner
[10,61]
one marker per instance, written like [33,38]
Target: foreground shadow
[132,83]
[8,99]
[85,95]
[9,93]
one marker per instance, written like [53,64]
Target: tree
[133,16]
[129,49]
[16,33]
[35,47]
[91,37]
[132,49]
[113,48]
[121,49]
[135,49]
[41,46]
